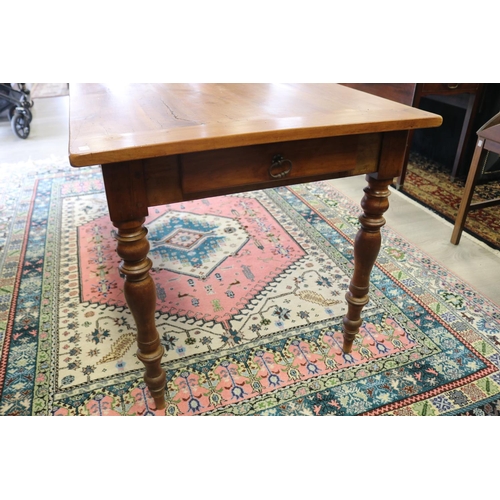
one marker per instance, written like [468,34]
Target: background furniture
[488,140]
[461,95]
[465,98]
[399,92]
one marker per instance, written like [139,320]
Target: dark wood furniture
[399,92]
[164,143]
[488,139]
[452,93]
[463,95]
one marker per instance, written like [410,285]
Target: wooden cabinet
[448,88]
[465,95]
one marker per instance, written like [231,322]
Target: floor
[472,261]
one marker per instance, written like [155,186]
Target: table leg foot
[140,294]
[366,248]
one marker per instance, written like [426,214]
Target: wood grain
[110,124]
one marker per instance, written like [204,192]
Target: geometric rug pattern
[250,301]
[428,183]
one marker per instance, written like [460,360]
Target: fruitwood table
[165,143]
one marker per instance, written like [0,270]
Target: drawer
[250,167]
[449,88]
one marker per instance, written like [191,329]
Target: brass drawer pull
[278,162]
[453,85]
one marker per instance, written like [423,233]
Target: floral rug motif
[429,184]
[250,301]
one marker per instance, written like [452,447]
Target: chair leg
[468,192]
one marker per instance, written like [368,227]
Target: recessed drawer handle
[453,85]
[280,167]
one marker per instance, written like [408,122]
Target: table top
[119,122]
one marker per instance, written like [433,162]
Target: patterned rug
[250,305]
[428,183]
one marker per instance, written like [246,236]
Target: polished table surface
[164,143]
[115,123]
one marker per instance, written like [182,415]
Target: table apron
[224,171]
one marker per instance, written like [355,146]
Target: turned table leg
[140,294]
[366,248]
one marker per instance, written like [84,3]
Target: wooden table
[165,143]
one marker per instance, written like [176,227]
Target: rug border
[15,292]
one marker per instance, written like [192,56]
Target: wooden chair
[488,139]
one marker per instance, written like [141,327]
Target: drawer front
[451,88]
[251,166]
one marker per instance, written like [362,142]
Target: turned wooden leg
[140,294]
[366,249]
